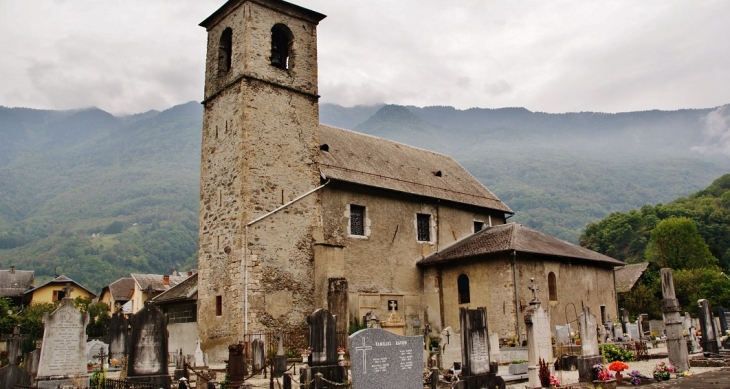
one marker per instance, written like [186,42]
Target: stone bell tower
[259,152]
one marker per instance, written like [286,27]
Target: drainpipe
[245,250]
[517,296]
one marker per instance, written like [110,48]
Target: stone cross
[393,304]
[534,288]
[67,290]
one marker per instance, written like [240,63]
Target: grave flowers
[662,371]
[618,367]
[305,354]
[605,378]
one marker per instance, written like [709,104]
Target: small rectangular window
[478,226]
[357,220]
[218,305]
[423,223]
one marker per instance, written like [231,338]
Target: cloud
[497,88]
[717,130]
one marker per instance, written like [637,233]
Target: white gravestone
[92,350]
[588,333]
[64,342]
[633,329]
[450,347]
[199,360]
[539,345]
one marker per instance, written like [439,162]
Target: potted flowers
[662,371]
[340,355]
[305,354]
[605,378]
[618,367]
[90,365]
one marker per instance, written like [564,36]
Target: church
[296,215]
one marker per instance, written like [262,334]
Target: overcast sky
[128,56]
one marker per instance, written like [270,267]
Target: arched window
[281,45]
[552,287]
[225,50]
[463,286]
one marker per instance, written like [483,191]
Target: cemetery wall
[258,151]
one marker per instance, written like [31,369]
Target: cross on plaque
[67,290]
[534,288]
[393,305]
[364,350]
[101,356]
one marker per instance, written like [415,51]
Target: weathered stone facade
[280,194]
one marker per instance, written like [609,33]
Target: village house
[55,290]
[118,292]
[295,215]
[14,284]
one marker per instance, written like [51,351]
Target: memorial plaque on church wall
[148,347]
[117,335]
[381,359]
[64,342]
[474,341]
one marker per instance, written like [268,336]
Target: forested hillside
[690,235]
[95,197]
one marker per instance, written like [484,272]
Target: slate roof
[627,276]
[156,281]
[63,280]
[186,290]
[14,283]
[513,236]
[377,162]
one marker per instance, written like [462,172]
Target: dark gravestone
[237,371]
[724,316]
[12,375]
[14,345]
[148,347]
[381,359]
[707,325]
[323,342]
[280,357]
[257,355]
[180,370]
[476,369]
[117,336]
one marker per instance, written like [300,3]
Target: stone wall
[259,152]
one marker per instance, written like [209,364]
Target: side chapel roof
[513,236]
[627,276]
[377,162]
[14,283]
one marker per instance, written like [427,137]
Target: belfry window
[462,284]
[552,287]
[225,50]
[281,46]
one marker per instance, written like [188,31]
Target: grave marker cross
[393,304]
[101,356]
[67,290]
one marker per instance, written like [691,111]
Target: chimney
[190,273]
[166,280]
[12,269]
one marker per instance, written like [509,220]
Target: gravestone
[693,342]
[610,334]
[624,320]
[323,342]
[258,358]
[657,326]
[724,316]
[709,341]
[562,334]
[676,345]
[539,345]
[643,322]
[476,367]
[450,345]
[14,344]
[280,357]
[63,354]
[148,358]
[199,360]
[618,334]
[236,367]
[588,346]
[180,370]
[634,333]
[494,354]
[381,359]
[117,335]
[93,347]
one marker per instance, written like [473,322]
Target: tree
[31,318]
[675,243]
[98,316]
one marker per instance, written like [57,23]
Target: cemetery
[583,353]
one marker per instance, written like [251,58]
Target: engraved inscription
[406,359]
[147,360]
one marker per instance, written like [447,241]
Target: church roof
[627,276]
[512,236]
[14,283]
[368,160]
[277,5]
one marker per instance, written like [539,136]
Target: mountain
[94,196]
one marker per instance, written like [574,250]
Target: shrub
[614,352]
